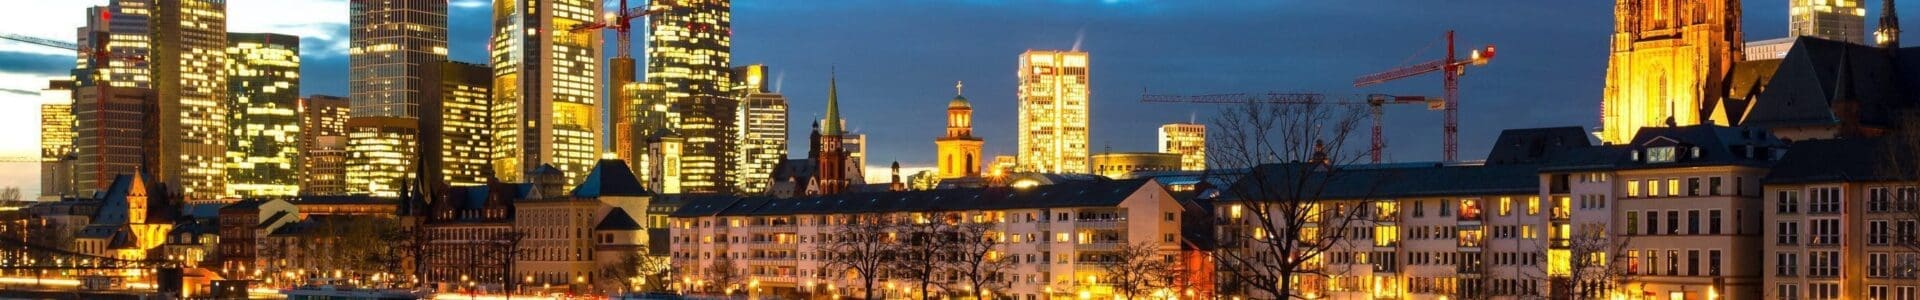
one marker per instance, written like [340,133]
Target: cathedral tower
[959,149]
[1667,61]
[832,174]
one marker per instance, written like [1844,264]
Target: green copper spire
[831,125]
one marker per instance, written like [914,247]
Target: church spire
[1888,35]
[831,126]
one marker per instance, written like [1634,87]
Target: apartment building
[1057,235]
[1840,223]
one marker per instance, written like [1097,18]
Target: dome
[959,102]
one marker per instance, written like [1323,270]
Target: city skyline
[877,94]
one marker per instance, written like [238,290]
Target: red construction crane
[622,25]
[1453,68]
[98,60]
[1374,102]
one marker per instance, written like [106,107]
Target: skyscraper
[1668,59]
[125,24]
[465,123]
[762,130]
[323,145]
[1839,20]
[546,87]
[959,151]
[1187,139]
[687,91]
[396,45]
[263,89]
[56,137]
[1054,107]
[111,137]
[188,59]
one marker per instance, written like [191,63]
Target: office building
[1187,139]
[1839,20]
[396,47]
[1125,164]
[188,59]
[762,131]
[56,138]
[263,78]
[125,26]
[1645,88]
[546,83]
[464,122]
[958,151]
[113,137]
[323,145]
[1054,111]
[686,90]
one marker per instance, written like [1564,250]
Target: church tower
[959,150]
[1667,62]
[832,174]
[1888,35]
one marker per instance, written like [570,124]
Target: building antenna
[1079,37]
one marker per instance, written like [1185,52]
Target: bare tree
[923,250]
[1280,219]
[1901,150]
[1599,265]
[634,273]
[1137,270]
[861,245]
[724,274]
[503,249]
[978,259]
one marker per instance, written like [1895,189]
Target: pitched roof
[1382,182]
[1837,160]
[610,177]
[1067,194]
[1802,90]
[1533,145]
[1717,146]
[617,219]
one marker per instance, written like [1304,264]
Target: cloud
[321,24]
[19,92]
[36,63]
[467,4]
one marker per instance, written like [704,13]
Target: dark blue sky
[897,60]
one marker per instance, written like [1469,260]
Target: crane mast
[1374,103]
[1451,68]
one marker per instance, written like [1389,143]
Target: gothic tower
[1888,35]
[832,175]
[1667,62]
[959,150]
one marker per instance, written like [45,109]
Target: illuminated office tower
[263,90]
[111,138]
[762,130]
[1053,111]
[1839,20]
[959,151]
[395,48]
[323,145]
[189,55]
[855,147]
[1187,139]
[125,24]
[56,138]
[546,87]
[686,90]
[465,129]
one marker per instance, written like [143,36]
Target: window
[1823,291]
[1789,202]
[1713,262]
[1788,291]
[1823,263]
[1823,200]
[1660,154]
[1653,222]
[1633,223]
[1786,264]
[1789,233]
[1673,262]
[1693,186]
[1533,206]
[1877,265]
[1506,206]
[1419,208]
[1879,200]
[1713,222]
[1673,187]
[1825,231]
[1693,222]
[1446,208]
[1877,232]
[1713,186]
[1633,188]
[1673,222]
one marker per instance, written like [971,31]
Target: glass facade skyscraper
[189,57]
[263,90]
[687,90]
[396,45]
[546,87]
[1054,107]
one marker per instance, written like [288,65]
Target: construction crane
[98,61]
[1451,68]
[622,64]
[1374,103]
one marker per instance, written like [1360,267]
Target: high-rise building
[855,146]
[56,137]
[1668,60]
[1839,20]
[686,91]
[464,122]
[188,59]
[125,24]
[959,151]
[323,145]
[762,130]
[111,138]
[263,78]
[396,47]
[1054,107]
[1187,139]
[546,87]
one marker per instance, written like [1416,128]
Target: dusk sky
[897,60]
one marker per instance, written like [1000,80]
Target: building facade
[1647,85]
[396,46]
[1054,111]
[56,138]
[323,145]
[546,87]
[1187,139]
[188,63]
[1840,223]
[465,124]
[125,26]
[1122,164]
[1839,20]
[687,90]
[958,152]
[762,131]
[263,94]
[117,137]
